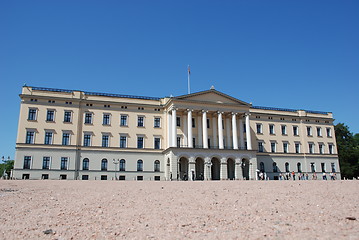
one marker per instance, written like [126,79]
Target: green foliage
[348,151]
[7,166]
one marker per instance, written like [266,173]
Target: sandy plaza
[54,209]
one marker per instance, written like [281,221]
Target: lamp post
[116,161]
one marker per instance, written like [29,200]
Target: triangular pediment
[212,96]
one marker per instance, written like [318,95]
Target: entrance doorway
[245,168]
[183,168]
[199,169]
[230,168]
[216,169]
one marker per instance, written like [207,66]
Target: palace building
[208,135]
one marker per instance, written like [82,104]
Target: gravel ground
[179,210]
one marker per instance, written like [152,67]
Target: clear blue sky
[289,54]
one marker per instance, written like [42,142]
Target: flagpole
[188,76]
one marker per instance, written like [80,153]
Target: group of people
[302,176]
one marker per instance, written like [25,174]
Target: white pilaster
[205,131]
[223,170]
[220,131]
[241,133]
[234,131]
[248,133]
[169,129]
[228,133]
[189,128]
[174,128]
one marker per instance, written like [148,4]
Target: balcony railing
[211,147]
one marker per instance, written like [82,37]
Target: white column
[241,133]
[174,128]
[185,131]
[234,131]
[228,132]
[199,128]
[205,131]
[220,131]
[169,129]
[214,129]
[248,133]
[189,126]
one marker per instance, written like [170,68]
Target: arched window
[157,166]
[85,164]
[299,166]
[275,168]
[287,167]
[104,164]
[140,165]
[122,165]
[261,166]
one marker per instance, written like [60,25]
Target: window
[87,140]
[123,141]
[312,167]
[208,126]
[299,167]
[284,130]
[88,118]
[63,176]
[46,163]
[272,147]
[261,166]
[286,167]
[330,148]
[285,147]
[48,137]
[139,142]
[178,121]
[178,142]
[32,114]
[259,128]
[297,148]
[295,131]
[323,166]
[27,162]
[309,131]
[64,161]
[85,164]
[194,142]
[105,140]
[157,123]
[333,167]
[30,136]
[193,123]
[140,165]
[157,143]
[260,147]
[122,165]
[271,129]
[104,164]
[106,119]
[44,176]
[123,121]
[157,166]
[311,148]
[244,127]
[67,116]
[50,115]
[329,132]
[85,177]
[319,131]
[275,168]
[140,122]
[103,177]
[320,148]
[65,138]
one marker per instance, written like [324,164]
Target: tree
[348,151]
[7,166]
